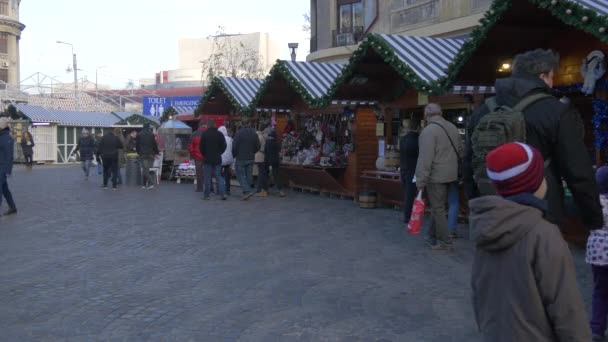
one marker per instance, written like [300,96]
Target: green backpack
[501,125]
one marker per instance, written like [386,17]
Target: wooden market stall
[324,145]
[577,30]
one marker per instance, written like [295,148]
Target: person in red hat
[523,279]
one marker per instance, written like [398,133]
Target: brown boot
[262,194]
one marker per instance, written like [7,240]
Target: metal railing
[347,36]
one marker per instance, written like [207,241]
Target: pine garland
[167,114]
[137,119]
[218,86]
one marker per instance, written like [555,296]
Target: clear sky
[136,38]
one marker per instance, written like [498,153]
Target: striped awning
[599,6]
[243,90]
[315,77]
[473,90]
[68,118]
[428,57]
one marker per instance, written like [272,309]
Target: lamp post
[294,48]
[101,67]
[75,74]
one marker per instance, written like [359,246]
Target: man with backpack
[525,111]
[437,169]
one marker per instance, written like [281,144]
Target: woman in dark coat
[27,146]
[408,149]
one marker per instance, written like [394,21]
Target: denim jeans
[454,206]
[5,191]
[262,177]
[217,170]
[227,175]
[146,164]
[244,173]
[86,166]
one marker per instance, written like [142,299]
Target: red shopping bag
[413,227]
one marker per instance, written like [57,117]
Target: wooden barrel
[368,200]
[391,160]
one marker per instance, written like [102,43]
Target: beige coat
[437,160]
[259,156]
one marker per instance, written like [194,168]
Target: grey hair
[432,109]
[535,62]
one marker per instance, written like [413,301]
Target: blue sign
[155,106]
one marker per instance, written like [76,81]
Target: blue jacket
[6,152]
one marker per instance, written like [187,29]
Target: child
[523,279]
[597,256]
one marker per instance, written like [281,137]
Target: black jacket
[109,146]
[271,151]
[6,152]
[408,150]
[213,144]
[146,144]
[86,146]
[27,149]
[556,130]
[246,144]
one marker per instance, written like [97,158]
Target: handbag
[460,163]
[415,224]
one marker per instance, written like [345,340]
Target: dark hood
[497,223]
[511,90]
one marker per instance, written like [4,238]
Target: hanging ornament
[553,2]
[585,18]
[602,29]
[568,11]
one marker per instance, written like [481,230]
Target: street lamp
[101,67]
[294,48]
[75,74]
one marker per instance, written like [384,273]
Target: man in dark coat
[408,150]
[213,145]
[6,164]
[244,147]
[147,149]
[86,146]
[272,160]
[108,150]
[552,127]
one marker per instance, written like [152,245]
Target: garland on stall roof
[600,123]
[137,119]
[215,86]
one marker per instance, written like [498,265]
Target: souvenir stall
[389,69]
[319,143]
[577,30]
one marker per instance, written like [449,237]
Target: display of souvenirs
[186,170]
[320,140]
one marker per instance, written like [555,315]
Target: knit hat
[3,123]
[601,177]
[515,168]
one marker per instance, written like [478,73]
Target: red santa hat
[515,168]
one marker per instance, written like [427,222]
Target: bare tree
[306,26]
[230,57]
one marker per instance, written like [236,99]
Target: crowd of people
[522,146]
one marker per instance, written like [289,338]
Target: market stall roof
[67,118]
[174,124]
[134,119]
[514,26]
[310,81]
[226,94]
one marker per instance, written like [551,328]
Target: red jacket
[195,143]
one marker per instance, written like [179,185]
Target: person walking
[408,150]
[552,127]
[122,159]
[108,150]
[213,145]
[597,257]
[436,169]
[6,164]
[260,162]
[227,159]
[272,161]
[195,152]
[523,277]
[98,138]
[87,149]
[147,149]
[27,146]
[244,147]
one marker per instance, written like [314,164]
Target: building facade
[337,26]
[192,51]
[10,33]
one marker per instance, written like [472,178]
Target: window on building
[350,22]
[4,43]
[4,7]
[4,75]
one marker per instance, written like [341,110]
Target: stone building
[10,33]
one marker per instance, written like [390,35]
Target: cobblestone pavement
[83,264]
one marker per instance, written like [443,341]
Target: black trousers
[110,168]
[227,175]
[29,159]
[410,191]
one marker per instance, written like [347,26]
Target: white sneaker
[150,187]
[143,187]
